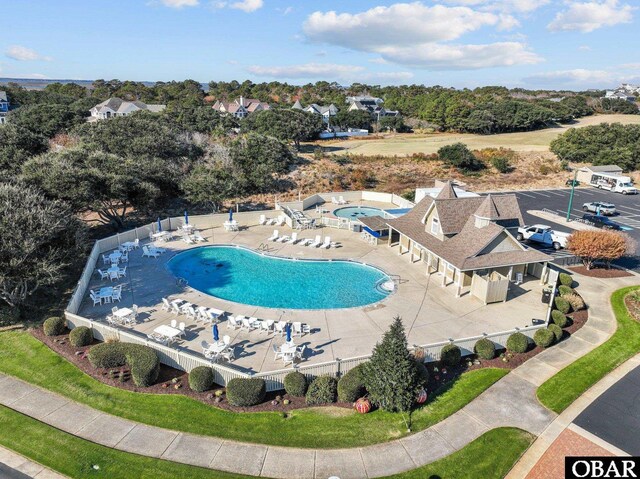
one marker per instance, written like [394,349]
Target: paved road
[7,472]
[615,415]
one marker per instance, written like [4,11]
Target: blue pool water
[352,212]
[244,276]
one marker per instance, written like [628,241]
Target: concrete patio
[431,312]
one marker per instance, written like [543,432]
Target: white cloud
[386,77]
[578,76]
[307,70]
[589,16]
[24,54]
[510,6]
[180,3]
[585,48]
[415,34]
[247,6]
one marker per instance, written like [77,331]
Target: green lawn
[559,391]
[489,456]
[22,356]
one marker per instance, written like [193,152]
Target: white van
[615,183]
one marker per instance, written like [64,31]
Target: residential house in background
[241,107]
[469,241]
[626,92]
[118,107]
[371,104]
[325,111]
[4,106]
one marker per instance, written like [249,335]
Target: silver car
[600,208]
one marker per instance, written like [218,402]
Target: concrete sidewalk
[509,402]
[15,466]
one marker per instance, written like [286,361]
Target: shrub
[576,301]
[201,378]
[322,390]
[518,343]
[460,157]
[565,290]
[501,163]
[485,349]
[351,385]
[55,326]
[423,373]
[562,305]
[246,391]
[565,279]
[295,383]
[80,336]
[9,315]
[556,330]
[544,338]
[450,355]
[559,318]
[143,360]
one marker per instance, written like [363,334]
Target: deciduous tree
[285,124]
[593,246]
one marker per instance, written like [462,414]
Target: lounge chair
[279,327]
[317,242]
[166,305]
[277,352]
[198,237]
[232,322]
[281,220]
[182,327]
[191,313]
[187,239]
[175,309]
[151,254]
[293,239]
[283,239]
[266,325]
[342,201]
[226,339]
[262,220]
[274,236]
[334,201]
[297,329]
[247,324]
[327,243]
[300,352]
[229,354]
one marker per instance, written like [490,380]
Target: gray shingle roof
[604,168]
[447,192]
[3,96]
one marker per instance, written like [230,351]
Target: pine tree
[391,376]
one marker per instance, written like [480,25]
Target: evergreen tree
[391,376]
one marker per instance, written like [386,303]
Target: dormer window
[435,226]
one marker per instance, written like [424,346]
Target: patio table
[113,269]
[129,245]
[123,313]
[168,332]
[159,234]
[105,292]
[115,256]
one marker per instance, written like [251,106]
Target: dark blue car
[604,222]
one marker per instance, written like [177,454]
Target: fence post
[338,370]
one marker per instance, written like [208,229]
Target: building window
[435,226]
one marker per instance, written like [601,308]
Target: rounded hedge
[562,305]
[295,383]
[143,360]
[576,301]
[55,326]
[201,378]
[565,279]
[80,336]
[556,330]
[559,318]
[544,338]
[517,343]
[246,391]
[565,290]
[485,349]
[450,355]
[322,390]
[423,373]
[351,385]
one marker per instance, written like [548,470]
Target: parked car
[600,208]
[572,182]
[603,222]
[543,234]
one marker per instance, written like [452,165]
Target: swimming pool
[244,276]
[353,212]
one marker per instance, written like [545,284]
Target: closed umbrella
[186,217]
[230,214]
[159,225]
[215,332]
[288,333]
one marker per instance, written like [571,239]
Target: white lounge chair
[274,236]
[182,327]
[293,239]
[317,242]
[151,254]
[226,339]
[166,305]
[262,220]
[191,313]
[175,309]
[283,239]
[327,243]
[277,352]
[228,354]
[198,237]
[300,352]
[334,201]
[297,329]
[232,323]
[279,327]
[247,324]
[281,220]
[342,201]
[266,325]
[187,239]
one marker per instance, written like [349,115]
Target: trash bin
[546,296]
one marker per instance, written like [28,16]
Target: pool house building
[469,241]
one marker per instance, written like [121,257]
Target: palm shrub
[80,336]
[450,355]
[556,330]
[295,384]
[562,305]
[54,326]
[351,385]
[322,390]
[565,279]
[576,301]
[485,349]
[391,376]
[544,338]
[517,343]
[201,378]
[246,391]
[559,318]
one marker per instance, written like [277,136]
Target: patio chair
[279,327]
[274,236]
[297,329]
[103,274]
[175,309]
[187,239]
[105,259]
[294,238]
[198,237]
[317,242]
[300,352]
[276,351]
[125,257]
[334,201]
[136,243]
[288,357]
[94,296]
[183,329]
[117,294]
[191,313]
[166,305]
[327,243]
[262,220]
[157,249]
[150,253]
[342,201]
[306,329]
[226,339]
[174,323]
[122,272]
[272,221]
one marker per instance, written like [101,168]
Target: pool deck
[430,312]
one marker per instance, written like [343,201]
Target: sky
[565,44]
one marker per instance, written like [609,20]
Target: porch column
[510,273]
[428,264]
[544,273]
[459,290]
[444,275]
[390,234]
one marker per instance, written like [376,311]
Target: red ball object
[422,396]
[363,405]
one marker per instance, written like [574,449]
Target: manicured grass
[491,456]
[559,391]
[22,356]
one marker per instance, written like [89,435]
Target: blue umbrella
[186,217]
[159,225]
[215,332]
[230,214]
[288,333]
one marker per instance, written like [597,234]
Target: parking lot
[557,200]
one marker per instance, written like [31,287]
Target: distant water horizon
[41,83]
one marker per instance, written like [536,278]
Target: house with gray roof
[241,107]
[370,104]
[118,107]
[325,111]
[466,239]
[4,106]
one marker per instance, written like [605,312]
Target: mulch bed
[613,272]
[633,306]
